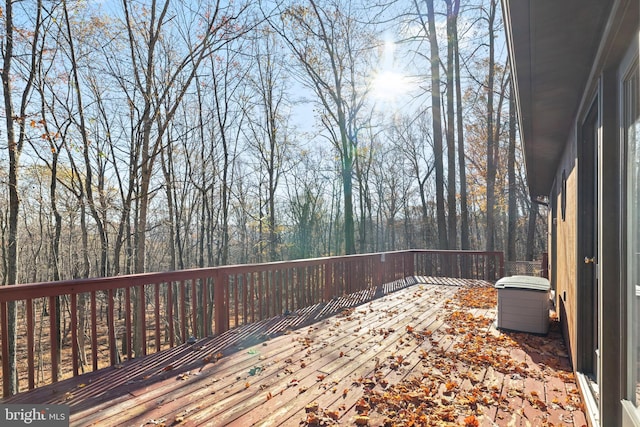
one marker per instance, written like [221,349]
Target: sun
[389,86]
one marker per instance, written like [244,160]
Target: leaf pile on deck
[471,375]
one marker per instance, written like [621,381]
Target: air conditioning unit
[523,304]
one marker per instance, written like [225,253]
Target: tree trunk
[437,127]
[462,166]
[451,146]
[167,171]
[348,155]
[223,254]
[88,180]
[491,137]
[15,149]
[15,144]
[349,227]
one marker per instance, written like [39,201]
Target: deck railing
[70,327]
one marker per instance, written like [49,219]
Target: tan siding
[566,262]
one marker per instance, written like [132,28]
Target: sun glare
[389,86]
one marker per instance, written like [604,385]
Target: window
[631,135]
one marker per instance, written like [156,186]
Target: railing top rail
[62,287]
[453,251]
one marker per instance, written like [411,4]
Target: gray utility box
[523,304]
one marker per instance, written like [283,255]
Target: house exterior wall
[564,271]
[604,379]
[577,138]
[609,383]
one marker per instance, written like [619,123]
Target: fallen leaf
[450,385]
[312,419]
[361,420]
[471,421]
[362,406]
[334,415]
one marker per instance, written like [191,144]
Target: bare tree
[330,43]
[146,30]
[227,90]
[413,139]
[306,205]
[87,191]
[368,148]
[462,164]
[429,27]
[15,122]
[492,141]
[269,125]
[453,8]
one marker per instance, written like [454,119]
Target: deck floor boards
[327,357]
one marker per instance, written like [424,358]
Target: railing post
[409,264]
[194,308]
[328,280]
[156,315]
[111,330]
[170,313]
[220,305]
[30,344]
[53,338]
[6,389]
[485,273]
[74,334]
[545,265]
[203,302]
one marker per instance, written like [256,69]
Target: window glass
[631,110]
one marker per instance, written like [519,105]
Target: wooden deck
[424,351]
